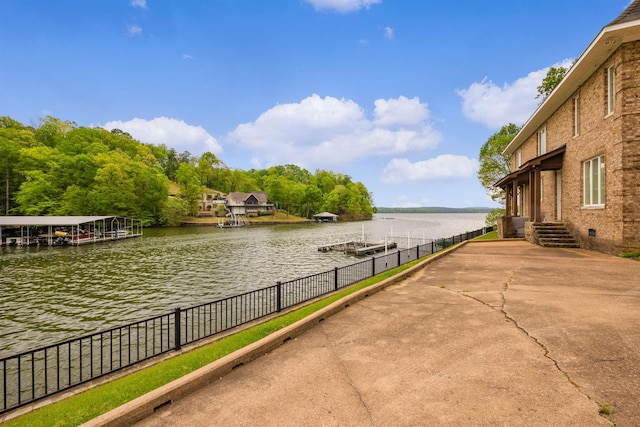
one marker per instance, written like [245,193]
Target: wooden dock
[357,247]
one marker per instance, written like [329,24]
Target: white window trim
[542,141]
[611,89]
[588,184]
[518,158]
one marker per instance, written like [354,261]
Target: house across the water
[576,161]
[249,204]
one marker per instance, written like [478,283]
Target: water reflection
[54,293]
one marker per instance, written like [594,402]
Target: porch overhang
[550,161]
[529,173]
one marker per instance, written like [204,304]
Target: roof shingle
[631,13]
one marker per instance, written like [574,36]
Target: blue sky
[398,94]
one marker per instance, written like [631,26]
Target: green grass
[493,235]
[87,405]
[605,409]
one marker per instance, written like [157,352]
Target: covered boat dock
[66,230]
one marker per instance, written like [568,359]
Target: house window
[542,141]
[518,158]
[611,89]
[576,116]
[594,182]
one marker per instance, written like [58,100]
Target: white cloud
[445,166]
[186,57]
[173,133]
[134,30]
[342,6]
[327,132]
[494,106]
[138,3]
[388,32]
[401,111]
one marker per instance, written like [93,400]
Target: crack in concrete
[332,348]
[546,353]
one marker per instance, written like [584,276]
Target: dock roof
[49,220]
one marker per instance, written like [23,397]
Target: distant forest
[59,168]
[433,210]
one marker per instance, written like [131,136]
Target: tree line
[60,168]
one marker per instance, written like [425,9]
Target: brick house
[576,160]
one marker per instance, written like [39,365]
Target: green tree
[13,137]
[274,185]
[550,81]
[312,201]
[114,190]
[75,201]
[168,159]
[51,130]
[152,191]
[209,167]
[495,165]
[190,189]
[37,194]
[239,180]
[174,210]
[326,182]
[295,196]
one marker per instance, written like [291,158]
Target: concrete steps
[554,235]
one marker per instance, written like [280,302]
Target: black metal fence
[36,374]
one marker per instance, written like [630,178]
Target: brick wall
[600,134]
[630,145]
[617,137]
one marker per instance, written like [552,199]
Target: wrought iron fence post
[335,278]
[177,329]
[399,258]
[373,266]
[279,296]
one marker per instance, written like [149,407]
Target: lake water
[49,294]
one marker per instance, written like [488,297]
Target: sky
[398,94]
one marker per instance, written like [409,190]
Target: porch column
[514,196]
[534,195]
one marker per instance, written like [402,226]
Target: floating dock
[357,247]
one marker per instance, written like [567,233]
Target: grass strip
[492,235]
[85,406]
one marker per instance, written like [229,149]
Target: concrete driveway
[495,333]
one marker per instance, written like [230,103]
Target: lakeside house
[576,161]
[236,203]
[254,203]
[210,201]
